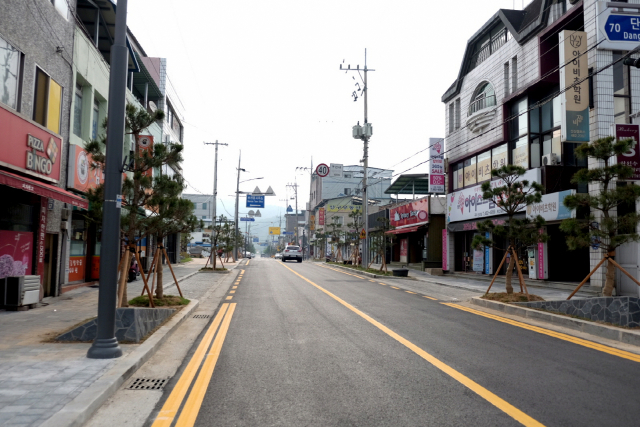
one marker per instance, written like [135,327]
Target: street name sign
[255,201]
[247,219]
[617,29]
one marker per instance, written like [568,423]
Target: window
[470,177]
[10,73]
[499,156]
[347,191]
[483,97]
[621,96]
[47,101]
[457,174]
[484,166]
[62,7]
[77,112]
[544,125]
[204,206]
[451,118]
[95,119]
[457,123]
[204,217]
[506,79]
[514,74]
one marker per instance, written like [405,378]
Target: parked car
[292,252]
[247,255]
[279,255]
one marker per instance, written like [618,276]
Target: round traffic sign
[322,170]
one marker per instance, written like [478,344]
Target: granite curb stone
[585,326]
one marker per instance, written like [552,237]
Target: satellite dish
[152,106]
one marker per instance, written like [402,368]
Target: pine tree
[603,227]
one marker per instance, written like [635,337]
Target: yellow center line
[394,287]
[435,299]
[372,281]
[490,397]
[232,292]
[585,343]
[241,272]
[194,402]
[409,292]
[248,262]
[229,297]
[383,284]
[171,406]
[235,287]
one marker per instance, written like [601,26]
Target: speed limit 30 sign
[322,170]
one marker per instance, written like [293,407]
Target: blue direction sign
[289,209]
[255,201]
[288,233]
[256,239]
[247,219]
[623,27]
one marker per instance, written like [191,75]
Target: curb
[366,273]
[588,327]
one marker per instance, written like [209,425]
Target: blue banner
[247,219]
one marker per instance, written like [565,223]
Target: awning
[406,229]
[473,224]
[42,189]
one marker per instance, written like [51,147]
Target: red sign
[76,268]
[42,231]
[28,147]
[41,189]
[322,170]
[444,250]
[412,213]
[321,216]
[16,253]
[82,174]
[404,247]
[631,157]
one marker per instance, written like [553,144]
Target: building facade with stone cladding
[37,43]
[505,108]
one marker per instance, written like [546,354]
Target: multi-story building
[533,85]
[202,207]
[36,61]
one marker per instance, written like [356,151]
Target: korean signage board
[83,175]
[552,207]
[255,201]
[321,216]
[274,231]
[16,253]
[312,222]
[29,148]
[466,204]
[415,212]
[478,261]
[574,102]
[445,251]
[436,165]
[631,157]
[335,170]
[617,29]
[341,205]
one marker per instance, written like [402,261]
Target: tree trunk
[609,280]
[159,288]
[122,283]
[512,262]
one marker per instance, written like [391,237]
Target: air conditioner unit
[64,214]
[550,159]
[21,290]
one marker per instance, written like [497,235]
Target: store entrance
[49,279]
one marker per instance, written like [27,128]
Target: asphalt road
[303,344]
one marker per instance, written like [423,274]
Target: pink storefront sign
[444,250]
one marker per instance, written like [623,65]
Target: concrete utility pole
[235,227]
[364,133]
[106,345]
[295,189]
[310,169]
[215,197]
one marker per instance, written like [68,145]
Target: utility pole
[295,189]
[364,133]
[235,227]
[215,197]
[106,345]
[310,169]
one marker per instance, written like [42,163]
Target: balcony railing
[485,52]
[481,104]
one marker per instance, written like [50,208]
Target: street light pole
[106,345]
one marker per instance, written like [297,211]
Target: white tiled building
[505,107]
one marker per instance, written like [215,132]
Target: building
[37,40]
[519,100]
[202,207]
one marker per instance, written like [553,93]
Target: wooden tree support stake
[172,273]
[151,269]
[498,270]
[123,277]
[522,283]
[145,284]
[624,271]
[587,278]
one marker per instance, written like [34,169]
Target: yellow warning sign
[363,234]
[274,231]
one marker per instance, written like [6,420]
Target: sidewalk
[38,378]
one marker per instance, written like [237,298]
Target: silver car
[292,252]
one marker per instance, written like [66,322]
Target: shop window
[78,238]
[77,112]
[621,95]
[520,152]
[470,172]
[499,156]
[484,166]
[11,74]
[95,118]
[47,101]
[457,176]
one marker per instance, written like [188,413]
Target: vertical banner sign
[631,157]
[436,165]
[41,235]
[487,256]
[321,216]
[575,100]
[542,259]
[445,252]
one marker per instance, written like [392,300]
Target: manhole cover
[201,316]
[147,384]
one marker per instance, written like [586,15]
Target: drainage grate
[201,316]
[147,384]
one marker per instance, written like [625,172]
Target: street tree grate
[147,384]
[201,316]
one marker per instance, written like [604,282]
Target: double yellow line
[191,408]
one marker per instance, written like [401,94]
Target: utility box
[532,252]
[21,290]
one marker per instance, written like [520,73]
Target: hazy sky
[263,77]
